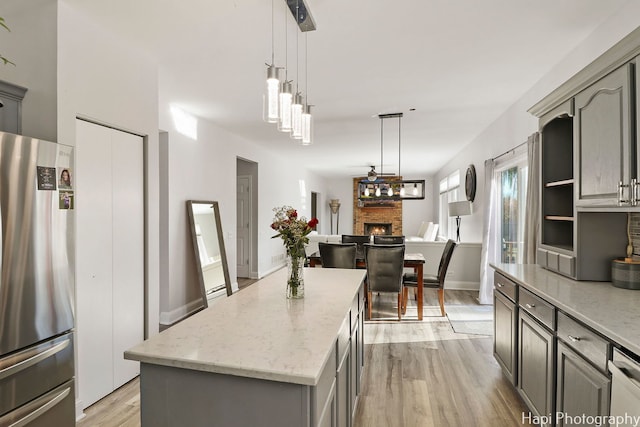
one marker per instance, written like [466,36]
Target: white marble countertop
[614,312]
[258,332]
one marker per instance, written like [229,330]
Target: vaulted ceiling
[458,63]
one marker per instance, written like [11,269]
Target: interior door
[110,257]
[243,225]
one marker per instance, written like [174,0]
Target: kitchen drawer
[355,309]
[344,336]
[505,286]
[587,343]
[542,257]
[566,265]
[538,308]
[552,260]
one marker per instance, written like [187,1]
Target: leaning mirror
[208,245]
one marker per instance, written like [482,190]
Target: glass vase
[295,277]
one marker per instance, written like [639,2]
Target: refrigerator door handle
[28,360]
[42,408]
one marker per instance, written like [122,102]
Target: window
[449,192]
[511,178]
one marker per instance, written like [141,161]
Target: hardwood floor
[417,374]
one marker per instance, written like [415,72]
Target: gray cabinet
[581,388]
[583,385]
[11,111]
[603,139]
[505,325]
[535,365]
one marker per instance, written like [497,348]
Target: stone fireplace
[384,216]
[378,229]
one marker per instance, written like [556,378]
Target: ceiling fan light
[372,175]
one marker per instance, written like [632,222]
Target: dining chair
[433,282]
[337,255]
[359,240]
[384,272]
[388,240]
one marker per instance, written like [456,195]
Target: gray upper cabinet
[605,150]
[11,110]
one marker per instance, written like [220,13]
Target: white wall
[103,77]
[205,169]
[31,45]
[515,124]
[414,212]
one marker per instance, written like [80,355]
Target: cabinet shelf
[563,182]
[558,218]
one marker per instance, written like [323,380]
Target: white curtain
[489,235]
[532,213]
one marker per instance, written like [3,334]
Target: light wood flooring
[417,374]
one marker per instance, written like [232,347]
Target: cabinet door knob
[499,285]
[573,339]
[530,305]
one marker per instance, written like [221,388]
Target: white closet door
[110,257]
[128,254]
[94,249]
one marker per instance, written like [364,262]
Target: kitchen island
[256,358]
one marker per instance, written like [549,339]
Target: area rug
[471,319]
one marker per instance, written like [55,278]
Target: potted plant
[2,58]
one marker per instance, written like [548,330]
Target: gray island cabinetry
[258,359]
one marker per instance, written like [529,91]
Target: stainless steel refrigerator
[36,283]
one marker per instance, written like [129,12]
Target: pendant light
[272,96]
[307,119]
[296,116]
[307,125]
[284,123]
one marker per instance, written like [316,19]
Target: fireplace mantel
[386,212]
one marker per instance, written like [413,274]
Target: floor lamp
[459,209]
[334,204]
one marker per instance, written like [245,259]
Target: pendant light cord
[286,48]
[272,36]
[297,45]
[399,140]
[306,71]
[381,145]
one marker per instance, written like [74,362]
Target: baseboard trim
[177,314]
[79,411]
[459,285]
[273,270]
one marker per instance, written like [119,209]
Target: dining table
[415,261]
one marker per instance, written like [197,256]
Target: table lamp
[459,209]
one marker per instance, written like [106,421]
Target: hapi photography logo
[582,420]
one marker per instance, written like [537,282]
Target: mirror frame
[223,252]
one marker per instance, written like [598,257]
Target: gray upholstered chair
[388,240]
[359,240]
[337,255]
[384,272]
[434,282]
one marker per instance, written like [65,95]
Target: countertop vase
[295,277]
